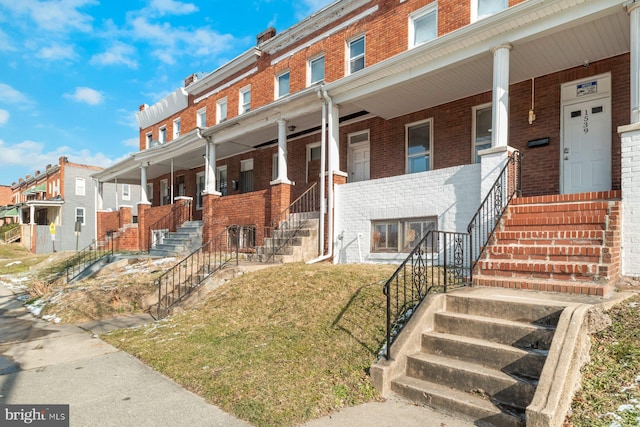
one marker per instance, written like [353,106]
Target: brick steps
[562,243]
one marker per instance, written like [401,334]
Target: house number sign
[585,125]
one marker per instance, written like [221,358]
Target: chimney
[265,35]
[36,173]
[144,107]
[48,166]
[63,159]
[27,177]
[190,79]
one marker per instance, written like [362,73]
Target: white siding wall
[451,194]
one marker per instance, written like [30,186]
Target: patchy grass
[610,391]
[276,347]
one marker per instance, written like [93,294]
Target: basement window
[402,235]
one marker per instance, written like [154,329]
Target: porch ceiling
[599,36]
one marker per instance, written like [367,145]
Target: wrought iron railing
[438,263]
[483,224]
[182,279]
[94,252]
[284,226]
[428,271]
[169,223]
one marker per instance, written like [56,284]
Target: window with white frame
[149,139]
[481,130]
[246,176]
[316,69]
[150,192]
[356,54]
[283,84]
[80,186]
[221,182]
[402,235]
[419,140]
[484,8]
[80,215]
[126,192]
[274,167]
[200,184]
[164,192]
[313,162]
[162,134]
[221,110]
[245,100]
[201,118]
[176,128]
[423,25]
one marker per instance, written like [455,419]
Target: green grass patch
[276,347]
[610,391]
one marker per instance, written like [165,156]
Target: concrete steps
[186,239]
[560,243]
[482,357]
[291,242]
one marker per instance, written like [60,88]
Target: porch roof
[546,36]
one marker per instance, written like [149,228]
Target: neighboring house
[413,107]
[8,214]
[57,207]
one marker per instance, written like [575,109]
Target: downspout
[327,103]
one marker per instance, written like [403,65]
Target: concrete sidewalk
[45,363]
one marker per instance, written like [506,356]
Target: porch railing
[169,223]
[88,256]
[284,226]
[428,269]
[12,235]
[438,263]
[483,224]
[182,279]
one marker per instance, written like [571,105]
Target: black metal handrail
[284,226]
[169,223]
[182,279]
[457,256]
[92,253]
[436,264]
[483,224]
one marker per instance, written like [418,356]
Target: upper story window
[80,186]
[148,139]
[245,100]
[201,118]
[356,55]
[483,8]
[283,84]
[423,25]
[176,128]
[162,135]
[221,110]
[316,69]
[481,129]
[419,136]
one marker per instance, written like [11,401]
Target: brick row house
[56,207]
[411,108]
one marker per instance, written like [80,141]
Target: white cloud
[127,119]
[132,142]
[117,54]
[86,95]
[308,7]
[172,7]
[5,43]
[4,117]
[57,16]
[9,95]
[57,52]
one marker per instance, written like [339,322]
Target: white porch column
[334,139]
[210,169]
[500,99]
[633,8]
[144,197]
[99,196]
[32,214]
[282,154]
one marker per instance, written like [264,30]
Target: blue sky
[74,72]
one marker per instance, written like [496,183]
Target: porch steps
[186,239]
[560,243]
[295,239]
[482,358]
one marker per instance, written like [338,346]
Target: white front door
[360,163]
[586,147]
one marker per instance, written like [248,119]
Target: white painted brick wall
[451,194]
[631,203]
